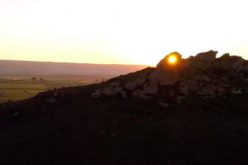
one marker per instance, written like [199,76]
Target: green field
[14,88]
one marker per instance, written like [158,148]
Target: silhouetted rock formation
[203,75]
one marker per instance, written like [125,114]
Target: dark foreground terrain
[195,112]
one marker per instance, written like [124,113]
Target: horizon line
[64,62]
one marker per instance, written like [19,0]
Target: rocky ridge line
[204,76]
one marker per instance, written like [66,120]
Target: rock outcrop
[207,56]
[204,76]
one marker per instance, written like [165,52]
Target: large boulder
[167,73]
[164,65]
[207,56]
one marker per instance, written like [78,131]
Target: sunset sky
[114,31]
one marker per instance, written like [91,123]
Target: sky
[120,31]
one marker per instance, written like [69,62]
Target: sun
[172,59]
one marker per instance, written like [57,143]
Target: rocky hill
[192,111]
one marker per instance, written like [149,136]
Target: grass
[14,88]
[17,94]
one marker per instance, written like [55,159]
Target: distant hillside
[50,68]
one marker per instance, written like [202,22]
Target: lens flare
[172,59]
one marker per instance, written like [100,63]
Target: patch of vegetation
[14,88]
